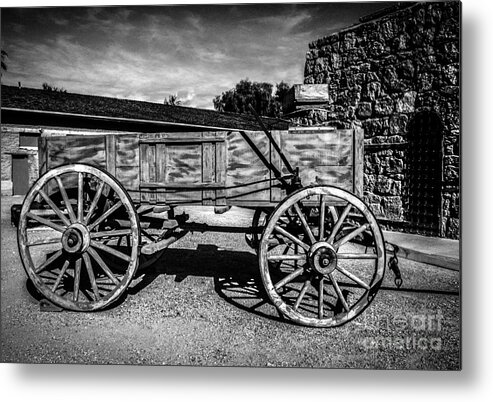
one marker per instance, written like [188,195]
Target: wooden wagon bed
[213,168]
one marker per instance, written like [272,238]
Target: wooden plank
[444,253]
[161,169]
[183,140]
[358,161]
[110,154]
[311,93]
[127,150]
[276,193]
[221,173]
[42,155]
[128,176]
[340,176]
[331,148]
[247,176]
[184,164]
[73,149]
[208,168]
[178,186]
[148,169]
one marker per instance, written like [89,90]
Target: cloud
[148,53]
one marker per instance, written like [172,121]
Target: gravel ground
[202,304]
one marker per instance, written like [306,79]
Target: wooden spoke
[94,202]
[111,233]
[294,239]
[304,223]
[50,240]
[103,265]
[46,222]
[60,276]
[333,212]
[353,277]
[356,256]
[321,298]
[105,215]
[299,299]
[66,200]
[338,291]
[351,235]
[90,273]
[111,250]
[80,198]
[339,222]
[54,207]
[48,262]
[78,265]
[322,218]
[288,278]
[292,257]
[150,237]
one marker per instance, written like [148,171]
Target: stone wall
[379,75]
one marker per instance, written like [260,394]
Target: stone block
[392,207]
[398,124]
[387,186]
[6,187]
[384,106]
[364,110]
[407,103]
[453,228]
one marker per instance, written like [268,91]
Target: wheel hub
[323,258]
[76,238]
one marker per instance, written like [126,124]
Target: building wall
[380,74]
[10,138]
[10,145]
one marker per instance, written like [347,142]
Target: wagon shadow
[236,276]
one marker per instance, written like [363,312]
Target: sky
[150,52]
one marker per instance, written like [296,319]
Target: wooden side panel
[161,161]
[208,169]
[248,179]
[322,157]
[276,193]
[358,162]
[111,154]
[127,150]
[76,149]
[127,161]
[42,155]
[184,164]
[221,166]
[148,170]
[332,148]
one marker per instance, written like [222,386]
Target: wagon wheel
[259,219]
[320,275]
[79,237]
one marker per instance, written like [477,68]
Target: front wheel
[79,237]
[322,256]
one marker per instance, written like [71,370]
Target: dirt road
[202,304]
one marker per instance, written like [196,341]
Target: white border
[101,383]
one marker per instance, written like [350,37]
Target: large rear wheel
[78,237]
[322,256]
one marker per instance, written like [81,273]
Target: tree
[257,94]
[4,62]
[51,88]
[172,101]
